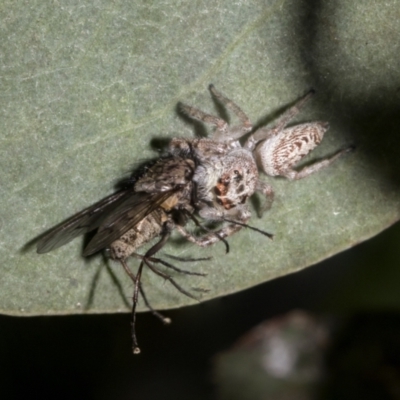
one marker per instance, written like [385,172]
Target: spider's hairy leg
[280,124]
[195,113]
[268,192]
[311,169]
[241,215]
[211,237]
[246,125]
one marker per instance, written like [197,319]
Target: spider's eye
[237,176]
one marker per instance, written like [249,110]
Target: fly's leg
[164,320]
[153,250]
[188,259]
[180,270]
[147,260]
[135,298]
[138,288]
[169,279]
[136,280]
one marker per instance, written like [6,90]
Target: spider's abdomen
[278,154]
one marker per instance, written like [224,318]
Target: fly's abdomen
[146,230]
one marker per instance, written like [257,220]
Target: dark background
[89,357]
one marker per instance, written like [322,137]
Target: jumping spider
[212,178]
[227,172]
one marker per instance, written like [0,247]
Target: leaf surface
[87,87]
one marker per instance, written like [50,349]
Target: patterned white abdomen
[279,153]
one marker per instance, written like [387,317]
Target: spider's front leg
[211,237]
[236,220]
[223,132]
[192,112]
[235,132]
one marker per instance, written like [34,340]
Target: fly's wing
[83,222]
[129,212]
[116,214]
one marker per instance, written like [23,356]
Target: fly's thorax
[180,199]
[227,181]
[166,174]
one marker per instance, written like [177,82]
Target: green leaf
[87,86]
